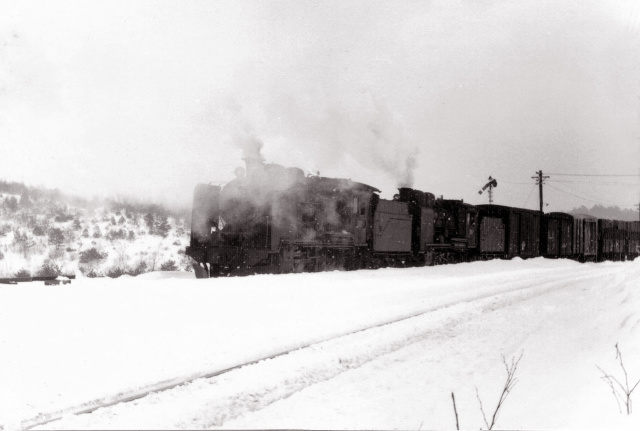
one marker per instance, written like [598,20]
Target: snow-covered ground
[368,349]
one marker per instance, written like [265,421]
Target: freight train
[272,219]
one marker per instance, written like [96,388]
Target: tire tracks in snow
[323,359]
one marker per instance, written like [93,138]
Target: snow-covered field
[369,349]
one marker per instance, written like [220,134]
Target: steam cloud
[363,130]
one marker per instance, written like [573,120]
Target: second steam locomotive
[272,219]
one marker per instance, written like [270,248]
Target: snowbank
[74,345]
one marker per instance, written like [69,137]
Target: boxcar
[509,232]
[611,239]
[585,237]
[633,239]
[557,235]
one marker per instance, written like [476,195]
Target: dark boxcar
[521,230]
[492,236]
[585,237]
[557,235]
[611,239]
[633,239]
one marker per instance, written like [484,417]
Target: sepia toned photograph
[319,214]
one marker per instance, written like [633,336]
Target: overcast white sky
[152,97]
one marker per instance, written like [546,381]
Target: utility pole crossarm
[539,181]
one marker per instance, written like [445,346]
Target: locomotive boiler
[272,219]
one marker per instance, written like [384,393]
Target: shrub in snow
[11,204]
[22,242]
[92,273]
[1,255]
[116,272]
[56,237]
[97,233]
[163,227]
[621,391]
[149,220]
[506,390]
[38,230]
[56,254]
[132,236]
[4,229]
[140,268]
[169,265]
[62,217]
[91,255]
[177,242]
[22,273]
[49,269]
[116,234]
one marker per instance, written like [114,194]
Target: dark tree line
[612,212]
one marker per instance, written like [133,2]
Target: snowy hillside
[378,349]
[45,233]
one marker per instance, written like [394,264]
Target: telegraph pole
[539,180]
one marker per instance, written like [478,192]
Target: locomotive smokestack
[254,163]
[251,149]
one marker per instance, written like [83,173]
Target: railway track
[508,292]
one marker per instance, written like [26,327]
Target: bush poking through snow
[56,237]
[22,273]
[91,255]
[93,273]
[49,269]
[140,268]
[169,265]
[116,272]
[621,392]
[506,389]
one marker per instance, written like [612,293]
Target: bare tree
[455,410]
[508,386]
[621,392]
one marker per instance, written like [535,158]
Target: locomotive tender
[272,219]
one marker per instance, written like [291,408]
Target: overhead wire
[593,182]
[594,175]
[583,198]
[527,201]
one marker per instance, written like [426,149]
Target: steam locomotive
[272,219]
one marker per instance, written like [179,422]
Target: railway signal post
[491,184]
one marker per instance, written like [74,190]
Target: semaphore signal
[490,185]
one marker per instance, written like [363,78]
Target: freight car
[272,219]
[585,238]
[557,238]
[618,240]
[507,232]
